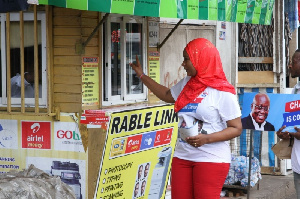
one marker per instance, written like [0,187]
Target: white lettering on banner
[35,138]
[133,142]
[293,118]
[294,105]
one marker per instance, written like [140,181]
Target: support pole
[164,41]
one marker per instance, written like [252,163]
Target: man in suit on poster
[259,112]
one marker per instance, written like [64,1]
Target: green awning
[241,11]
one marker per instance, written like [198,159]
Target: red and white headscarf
[206,59]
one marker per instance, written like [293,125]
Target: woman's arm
[159,90]
[234,129]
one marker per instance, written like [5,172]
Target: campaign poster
[138,153]
[269,112]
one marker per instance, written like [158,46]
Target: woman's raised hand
[136,66]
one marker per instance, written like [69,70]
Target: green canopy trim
[240,11]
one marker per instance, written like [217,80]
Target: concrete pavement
[269,187]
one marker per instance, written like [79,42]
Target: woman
[201,162]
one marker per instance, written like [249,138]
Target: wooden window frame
[22,102]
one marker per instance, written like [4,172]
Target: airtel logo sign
[61,134]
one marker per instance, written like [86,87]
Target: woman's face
[187,65]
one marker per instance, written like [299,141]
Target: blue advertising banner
[269,112]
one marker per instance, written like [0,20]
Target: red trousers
[197,180]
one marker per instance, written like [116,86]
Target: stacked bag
[239,170]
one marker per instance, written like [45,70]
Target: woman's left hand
[198,140]
[234,129]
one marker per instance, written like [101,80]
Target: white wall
[227,48]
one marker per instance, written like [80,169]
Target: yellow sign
[90,80]
[154,66]
[138,153]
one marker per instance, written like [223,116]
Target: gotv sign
[67,134]
[36,135]
[67,137]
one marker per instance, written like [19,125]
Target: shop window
[124,38]
[16,58]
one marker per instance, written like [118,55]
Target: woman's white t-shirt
[211,109]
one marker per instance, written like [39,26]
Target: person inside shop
[201,163]
[294,68]
[28,83]
[259,112]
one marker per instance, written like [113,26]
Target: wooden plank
[259,60]
[49,66]
[66,40]
[67,88]
[62,79]
[73,31]
[57,11]
[68,71]
[66,21]
[91,14]
[69,107]
[67,98]
[65,50]
[92,42]
[255,77]
[89,22]
[269,170]
[28,110]
[69,60]
[100,53]
[96,141]
[8,64]
[73,21]
[22,57]
[70,50]
[70,31]
[60,41]
[269,85]
[36,63]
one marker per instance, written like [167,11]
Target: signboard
[52,146]
[246,11]
[138,152]
[154,66]
[153,33]
[284,109]
[90,80]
